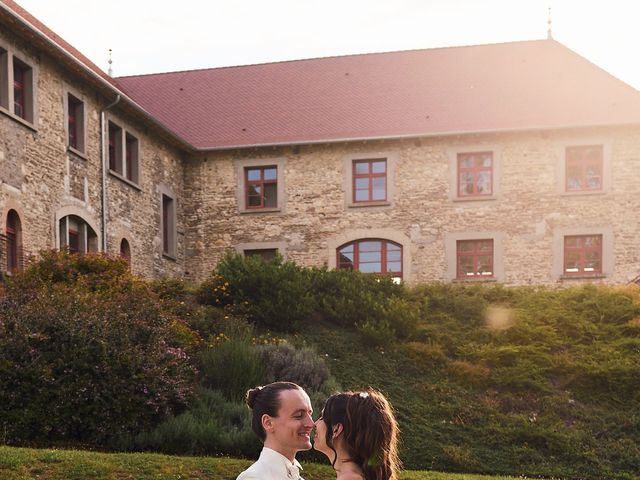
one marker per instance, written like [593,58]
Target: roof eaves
[413,135]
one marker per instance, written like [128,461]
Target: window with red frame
[475,174]
[20,89]
[474,258]
[75,122]
[375,256]
[115,148]
[584,168]
[131,158]
[261,187]
[370,180]
[583,254]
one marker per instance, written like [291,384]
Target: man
[282,420]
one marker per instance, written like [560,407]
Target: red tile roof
[509,86]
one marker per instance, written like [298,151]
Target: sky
[161,36]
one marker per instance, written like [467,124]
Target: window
[123,153]
[16,86]
[125,250]
[115,148]
[4,79]
[375,256]
[584,168]
[75,123]
[265,253]
[475,174]
[22,90]
[13,242]
[131,157]
[77,235]
[262,187]
[168,226]
[370,180]
[582,254]
[474,259]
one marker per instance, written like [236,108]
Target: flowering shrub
[271,293]
[86,353]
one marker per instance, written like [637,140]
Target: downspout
[105,167]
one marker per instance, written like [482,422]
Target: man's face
[290,431]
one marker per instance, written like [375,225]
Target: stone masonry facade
[179,210]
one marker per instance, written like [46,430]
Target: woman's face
[319,439]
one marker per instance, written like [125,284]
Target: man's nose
[310,422]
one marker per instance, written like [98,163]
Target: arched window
[125,250]
[372,255]
[77,235]
[14,242]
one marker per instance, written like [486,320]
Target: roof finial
[549,36]
[110,71]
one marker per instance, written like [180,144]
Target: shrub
[287,363]
[376,333]
[212,426]
[272,293]
[86,353]
[231,366]
[345,297]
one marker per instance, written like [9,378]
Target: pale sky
[161,36]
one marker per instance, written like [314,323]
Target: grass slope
[556,394]
[46,464]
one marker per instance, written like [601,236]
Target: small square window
[584,168]
[370,180]
[475,174]
[582,255]
[474,259]
[261,185]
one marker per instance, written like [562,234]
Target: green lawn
[48,464]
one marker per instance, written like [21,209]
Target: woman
[358,432]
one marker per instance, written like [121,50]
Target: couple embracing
[356,431]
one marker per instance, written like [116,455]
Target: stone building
[511,162]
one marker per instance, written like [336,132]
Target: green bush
[274,294]
[86,353]
[345,297]
[213,425]
[284,362]
[231,366]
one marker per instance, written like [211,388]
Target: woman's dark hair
[266,400]
[369,432]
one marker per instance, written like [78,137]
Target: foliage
[274,294]
[86,353]
[284,362]
[213,425]
[231,366]
[549,388]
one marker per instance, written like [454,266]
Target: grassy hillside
[25,463]
[521,381]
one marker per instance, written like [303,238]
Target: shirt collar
[273,456]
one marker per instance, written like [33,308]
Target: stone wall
[528,213]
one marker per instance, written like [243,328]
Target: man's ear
[337,430]
[267,423]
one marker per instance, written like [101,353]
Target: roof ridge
[329,57]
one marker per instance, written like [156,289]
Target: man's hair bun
[251,396]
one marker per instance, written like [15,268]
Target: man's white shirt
[272,465]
